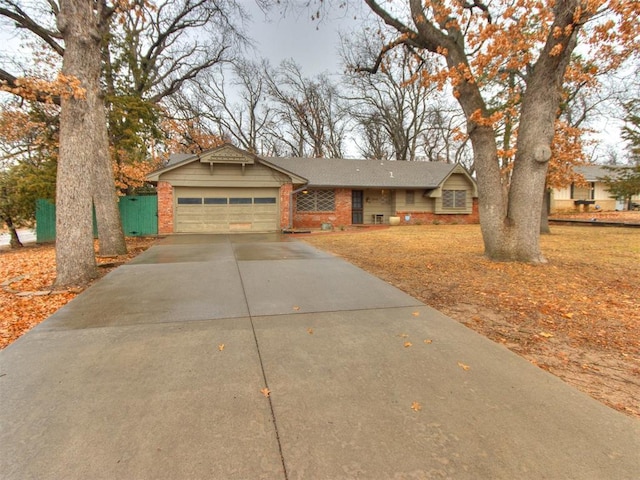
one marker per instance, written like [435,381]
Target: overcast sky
[311,43]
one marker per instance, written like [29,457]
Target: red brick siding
[165,208]
[422,218]
[340,216]
[285,201]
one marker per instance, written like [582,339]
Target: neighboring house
[592,195]
[230,190]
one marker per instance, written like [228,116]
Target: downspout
[293,192]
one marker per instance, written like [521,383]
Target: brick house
[230,190]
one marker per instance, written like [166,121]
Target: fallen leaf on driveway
[402,335]
[407,344]
[463,366]
[265,391]
[416,314]
[310,331]
[296,308]
[428,341]
[416,407]
[221,347]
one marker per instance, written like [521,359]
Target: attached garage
[221,210]
[224,190]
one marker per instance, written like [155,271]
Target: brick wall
[340,216]
[423,218]
[165,208]
[285,201]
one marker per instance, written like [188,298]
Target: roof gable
[225,154]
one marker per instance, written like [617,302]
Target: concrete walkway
[156,372]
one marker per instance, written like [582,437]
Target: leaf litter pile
[578,316]
[26,278]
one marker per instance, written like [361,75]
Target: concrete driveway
[160,371]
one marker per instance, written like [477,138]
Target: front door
[357,206]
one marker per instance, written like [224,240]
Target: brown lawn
[577,316]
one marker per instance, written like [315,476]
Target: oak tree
[484,45]
[84,177]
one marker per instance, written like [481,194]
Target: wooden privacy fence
[139,216]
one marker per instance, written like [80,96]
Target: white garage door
[220,210]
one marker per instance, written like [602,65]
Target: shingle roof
[178,157]
[337,172]
[593,173]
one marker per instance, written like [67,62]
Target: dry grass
[577,316]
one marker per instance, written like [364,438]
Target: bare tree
[233,101]
[442,137]
[310,112]
[157,49]
[393,106]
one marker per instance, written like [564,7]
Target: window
[454,199]
[316,201]
[264,200]
[241,201]
[582,192]
[189,201]
[215,201]
[410,197]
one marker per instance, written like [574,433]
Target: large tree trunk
[105,200]
[80,117]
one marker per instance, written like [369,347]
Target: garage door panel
[202,210]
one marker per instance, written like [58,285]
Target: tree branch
[11,84]
[23,20]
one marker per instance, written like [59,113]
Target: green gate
[45,221]
[138,214]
